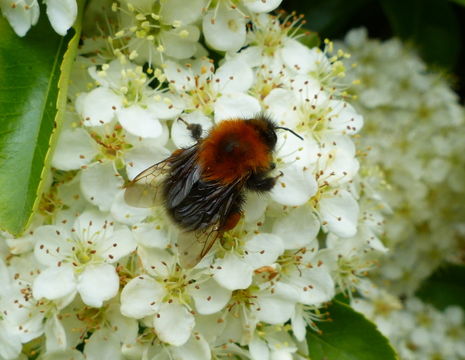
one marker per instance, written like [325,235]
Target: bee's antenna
[291,131]
[182,120]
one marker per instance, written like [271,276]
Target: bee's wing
[194,245]
[146,188]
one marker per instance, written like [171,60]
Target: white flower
[62,14]
[80,259]
[307,275]
[222,92]
[135,89]
[168,294]
[20,14]
[23,14]
[160,29]
[406,107]
[272,343]
[235,268]
[124,93]
[224,28]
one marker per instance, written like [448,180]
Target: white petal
[55,335]
[173,324]
[157,262]
[338,166]
[103,345]
[99,106]
[195,349]
[344,118]
[263,250]
[277,307]
[140,297]
[339,212]
[316,285]
[226,30]
[11,343]
[181,136]
[51,244]
[139,122]
[233,76]
[100,184]
[153,234]
[295,187]
[236,105]
[280,104]
[262,6]
[168,107]
[233,273]
[259,349]
[282,354]
[113,76]
[143,156]
[74,149]
[179,76]
[291,149]
[124,328]
[255,206]
[125,213]
[97,284]
[93,224]
[54,283]
[298,228]
[209,297]
[298,57]
[119,244]
[61,14]
[180,47]
[180,10]
[298,323]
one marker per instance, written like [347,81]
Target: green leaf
[327,17]
[349,336]
[460,2]
[34,72]
[445,287]
[431,25]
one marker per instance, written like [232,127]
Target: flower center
[241,298]
[91,317]
[291,259]
[270,36]
[112,146]
[175,285]
[203,95]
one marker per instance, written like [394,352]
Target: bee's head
[267,130]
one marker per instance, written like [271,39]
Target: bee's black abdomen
[206,204]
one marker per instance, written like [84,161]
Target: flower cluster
[414,137]
[22,14]
[417,330]
[96,274]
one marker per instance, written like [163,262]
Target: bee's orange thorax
[232,150]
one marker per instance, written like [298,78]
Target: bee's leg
[231,221]
[232,217]
[261,183]
[195,129]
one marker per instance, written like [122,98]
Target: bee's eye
[271,138]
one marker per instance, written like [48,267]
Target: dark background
[435,27]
